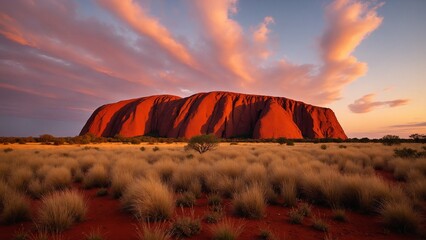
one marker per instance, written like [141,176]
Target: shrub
[213,216]
[149,199]
[14,207]
[342,146]
[186,199]
[281,140]
[295,216]
[214,199]
[142,149]
[319,224]
[250,203]
[399,217]
[97,176]
[155,149]
[406,153]
[323,147]
[145,232]
[290,143]
[185,227]
[203,143]
[390,140]
[226,230]
[339,215]
[59,210]
[6,150]
[305,209]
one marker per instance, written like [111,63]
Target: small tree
[203,143]
[418,137]
[390,140]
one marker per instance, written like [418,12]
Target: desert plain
[253,190]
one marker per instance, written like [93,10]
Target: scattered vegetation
[147,182]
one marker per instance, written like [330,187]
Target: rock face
[225,114]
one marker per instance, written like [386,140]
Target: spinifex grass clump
[186,226]
[59,210]
[186,199]
[145,231]
[149,199]
[319,224]
[226,230]
[14,207]
[250,203]
[400,217]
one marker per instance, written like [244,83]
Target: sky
[61,59]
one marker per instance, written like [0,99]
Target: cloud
[225,37]
[347,23]
[367,104]
[137,18]
[122,50]
[409,125]
[262,31]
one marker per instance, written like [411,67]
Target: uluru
[225,114]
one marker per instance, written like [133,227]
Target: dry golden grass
[14,207]
[149,199]
[335,177]
[226,230]
[59,210]
[250,202]
[400,217]
[97,176]
[58,178]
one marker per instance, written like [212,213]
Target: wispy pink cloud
[367,104]
[137,18]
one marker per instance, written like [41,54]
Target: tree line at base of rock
[90,139]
